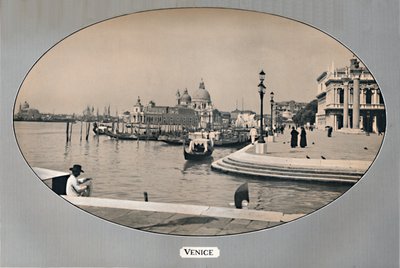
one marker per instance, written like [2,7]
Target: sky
[153,54]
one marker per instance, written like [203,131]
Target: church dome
[186,97]
[25,106]
[201,94]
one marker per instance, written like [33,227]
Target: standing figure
[253,134]
[293,141]
[303,138]
[330,129]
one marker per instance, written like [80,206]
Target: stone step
[228,168]
[293,169]
[285,172]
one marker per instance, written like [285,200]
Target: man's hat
[77,168]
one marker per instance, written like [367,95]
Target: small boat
[100,129]
[57,180]
[121,136]
[230,142]
[172,140]
[199,149]
[145,137]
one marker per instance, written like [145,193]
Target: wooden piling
[87,131]
[81,131]
[70,132]
[67,131]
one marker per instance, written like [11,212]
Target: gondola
[145,137]
[100,130]
[233,142]
[121,136]
[172,140]
[198,149]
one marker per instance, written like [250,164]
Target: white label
[199,252]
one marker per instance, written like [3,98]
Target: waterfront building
[285,110]
[349,99]
[225,119]
[27,113]
[196,111]
[247,119]
[202,104]
[137,115]
[165,118]
[234,115]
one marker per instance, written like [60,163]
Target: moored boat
[121,136]
[198,149]
[100,129]
[232,141]
[145,137]
[172,140]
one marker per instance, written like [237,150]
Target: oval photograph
[200,121]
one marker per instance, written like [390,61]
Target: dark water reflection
[126,169]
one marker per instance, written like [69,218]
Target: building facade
[247,119]
[27,113]
[350,100]
[196,111]
[285,110]
[163,117]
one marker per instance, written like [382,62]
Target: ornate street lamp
[272,108]
[261,90]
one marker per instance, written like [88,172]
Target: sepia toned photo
[199,122]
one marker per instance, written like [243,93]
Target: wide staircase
[232,165]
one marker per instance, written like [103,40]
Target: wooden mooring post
[67,131]
[87,130]
[70,132]
[81,131]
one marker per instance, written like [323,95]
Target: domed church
[200,102]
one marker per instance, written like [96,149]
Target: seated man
[74,186]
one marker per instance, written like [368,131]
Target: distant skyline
[153,54]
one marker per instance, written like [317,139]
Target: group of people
[294,138]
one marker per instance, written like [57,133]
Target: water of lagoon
[126,169]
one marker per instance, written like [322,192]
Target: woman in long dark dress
[303,139]
[293,141]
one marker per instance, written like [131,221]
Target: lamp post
[261,90]
[272,109]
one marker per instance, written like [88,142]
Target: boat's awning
[46,174]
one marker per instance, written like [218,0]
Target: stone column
[374,124]
[362,96]
[335,123]
[356,102]
[334,96]
[375,99]
[345,104]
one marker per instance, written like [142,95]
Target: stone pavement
[180,219]
[340,146]
[343,158]
[178,224]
